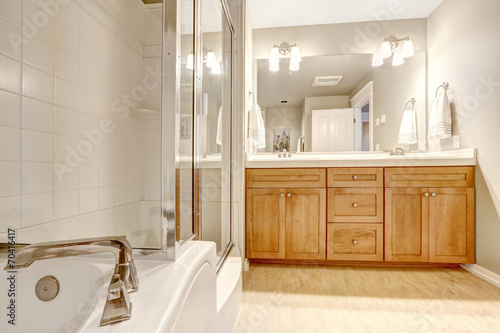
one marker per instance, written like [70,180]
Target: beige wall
[464,49]
[345,38]
[283,118]
[320,103]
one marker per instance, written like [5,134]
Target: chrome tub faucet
[124,280]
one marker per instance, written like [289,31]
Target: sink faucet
[124,280]
[300,147]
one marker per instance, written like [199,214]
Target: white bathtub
[185,296]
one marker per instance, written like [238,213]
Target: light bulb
[385,49]
[295,55]
[294,66]
[398,59]
[408,50]
[216,68]
[211,60]
[274,56]
[377,60]
[274,67]
[189,62]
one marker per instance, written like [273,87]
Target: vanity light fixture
[400,48]
[283,50]
[209,59]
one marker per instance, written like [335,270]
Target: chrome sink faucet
[124,280]
[300,147]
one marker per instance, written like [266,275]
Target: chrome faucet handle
[123,281]
[390,151]
[400,151]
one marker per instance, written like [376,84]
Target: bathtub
[185,296]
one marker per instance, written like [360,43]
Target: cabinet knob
[289,195]
[355,177]
[282,195]
[433,194]
[355,205]
[355,242]
[426,194]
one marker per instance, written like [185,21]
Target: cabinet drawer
[355,177]
[355,242]
[430,177]
[289,178]
[356,205]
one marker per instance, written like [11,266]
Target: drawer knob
[355,242]
[426,194]
[289,195]
[355,177]
[355,205]
[282,195]
[433,194]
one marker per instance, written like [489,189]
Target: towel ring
[445,86]
[412,102]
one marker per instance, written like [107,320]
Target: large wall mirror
[367,103]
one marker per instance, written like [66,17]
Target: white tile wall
[37,115]
[59,83]
[11,109]
[10,74]
[10,38]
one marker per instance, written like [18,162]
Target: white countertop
[364,159]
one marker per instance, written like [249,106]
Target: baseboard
[483,273]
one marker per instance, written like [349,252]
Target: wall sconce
[283,50]
[402,48]
[209,59]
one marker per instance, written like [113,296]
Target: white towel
[408,129]
[256,128]
[440,119]
[218,139]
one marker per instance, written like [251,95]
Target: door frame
[365,96]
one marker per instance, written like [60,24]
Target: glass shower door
[214,119]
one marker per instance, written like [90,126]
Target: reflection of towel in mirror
[408,129]
[440,119]
[218,139]
[256,128]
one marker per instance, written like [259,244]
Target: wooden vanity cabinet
[433,221]
[286,214]
[355,214]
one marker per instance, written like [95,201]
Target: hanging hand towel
[408,129]
[256,128]
[218,139]
[440,119]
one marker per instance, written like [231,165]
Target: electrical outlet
[456,141]
[377,147]
[382,119]
[377,121]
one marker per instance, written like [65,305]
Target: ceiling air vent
[325,81]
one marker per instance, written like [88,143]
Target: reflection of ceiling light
[189,63]
[211,60]
[216,68]
[283,50]
[401,48]
[377,60]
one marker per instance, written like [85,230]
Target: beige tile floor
[301,298]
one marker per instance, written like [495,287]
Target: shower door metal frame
[171,73]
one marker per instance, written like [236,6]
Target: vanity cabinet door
[407,224]
[306,223]
[451,225]
[265,223]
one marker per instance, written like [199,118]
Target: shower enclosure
[198,163]
[116,120]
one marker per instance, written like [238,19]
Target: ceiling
[293,86]
[284,13]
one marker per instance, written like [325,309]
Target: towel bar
[445,86]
